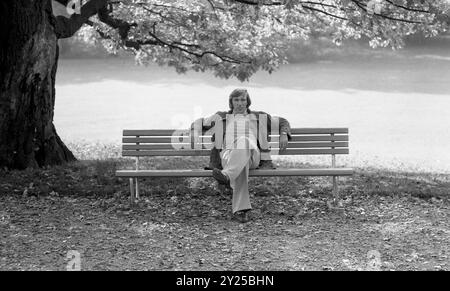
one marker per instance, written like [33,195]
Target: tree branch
[177,46]
[407,8]
[324,12]
[123,26]
[361,6]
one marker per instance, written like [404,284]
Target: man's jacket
[208,124]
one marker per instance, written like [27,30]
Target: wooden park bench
[171,142]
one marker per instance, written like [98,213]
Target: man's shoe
[224,187]
[266,164]
[221,177]
[241,216]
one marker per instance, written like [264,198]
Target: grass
[184,224]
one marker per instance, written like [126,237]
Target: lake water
[397,108]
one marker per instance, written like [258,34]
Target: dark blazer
[220,116]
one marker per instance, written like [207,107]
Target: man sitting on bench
[240,139]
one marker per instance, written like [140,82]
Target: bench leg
[336,204]
[132,190]
[137,189]
[335,189]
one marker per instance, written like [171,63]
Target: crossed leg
[236,164]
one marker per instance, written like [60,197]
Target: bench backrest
[171,142]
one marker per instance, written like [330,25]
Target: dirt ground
[391,221]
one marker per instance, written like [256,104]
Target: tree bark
[28,64]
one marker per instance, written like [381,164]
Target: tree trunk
[28,65]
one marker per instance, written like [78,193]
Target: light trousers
[236,164]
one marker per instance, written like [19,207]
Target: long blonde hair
[237,93]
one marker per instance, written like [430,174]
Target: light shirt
[241,131]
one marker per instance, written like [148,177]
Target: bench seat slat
[166,153]
[163,139]
[253,173]
[295,138]
[297,145]
[170,132]
[336,130]
[312,138]
[291,145]
[154,132]
[132,153]
[130,147]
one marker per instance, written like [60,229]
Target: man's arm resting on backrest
[285,127]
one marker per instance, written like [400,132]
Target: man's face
[239,104]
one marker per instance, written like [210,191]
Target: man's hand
[283,141]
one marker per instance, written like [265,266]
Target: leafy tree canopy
[238,37]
